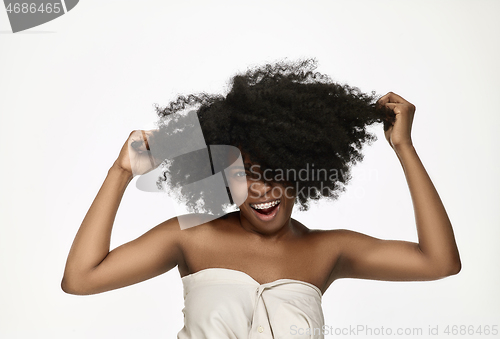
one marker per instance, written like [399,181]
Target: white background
[72,89]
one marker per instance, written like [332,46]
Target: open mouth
[266,211]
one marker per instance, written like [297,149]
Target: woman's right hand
[135,156]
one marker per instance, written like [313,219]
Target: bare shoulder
[327,244]
[193,222]
[334,237]
[199,223]
[345,243]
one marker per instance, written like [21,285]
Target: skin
[267,251]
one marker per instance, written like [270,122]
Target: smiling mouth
[266,208]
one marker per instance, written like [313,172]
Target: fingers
[140,146]
[140,139]
[145,140]
[394,106]
[391,98]
[396,103]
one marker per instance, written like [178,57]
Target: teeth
[265,205]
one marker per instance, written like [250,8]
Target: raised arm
[435,255]
[91,268]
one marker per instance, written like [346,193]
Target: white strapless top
[221,303]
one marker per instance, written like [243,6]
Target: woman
[257,272]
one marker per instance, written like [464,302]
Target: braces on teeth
[265,205]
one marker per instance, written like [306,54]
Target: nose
[258,189]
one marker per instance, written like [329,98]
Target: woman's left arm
[436,254]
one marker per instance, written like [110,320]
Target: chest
[307,259]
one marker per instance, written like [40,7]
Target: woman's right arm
[91,268]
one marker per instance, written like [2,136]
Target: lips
[266,211]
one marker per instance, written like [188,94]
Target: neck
[280,232]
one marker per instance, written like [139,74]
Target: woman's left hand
[400,132]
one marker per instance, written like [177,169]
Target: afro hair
[288,119]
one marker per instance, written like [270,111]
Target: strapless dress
[221,303]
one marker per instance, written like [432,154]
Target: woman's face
[267,206]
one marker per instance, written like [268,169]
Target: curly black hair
[287,118]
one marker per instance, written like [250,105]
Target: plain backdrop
[72,89]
